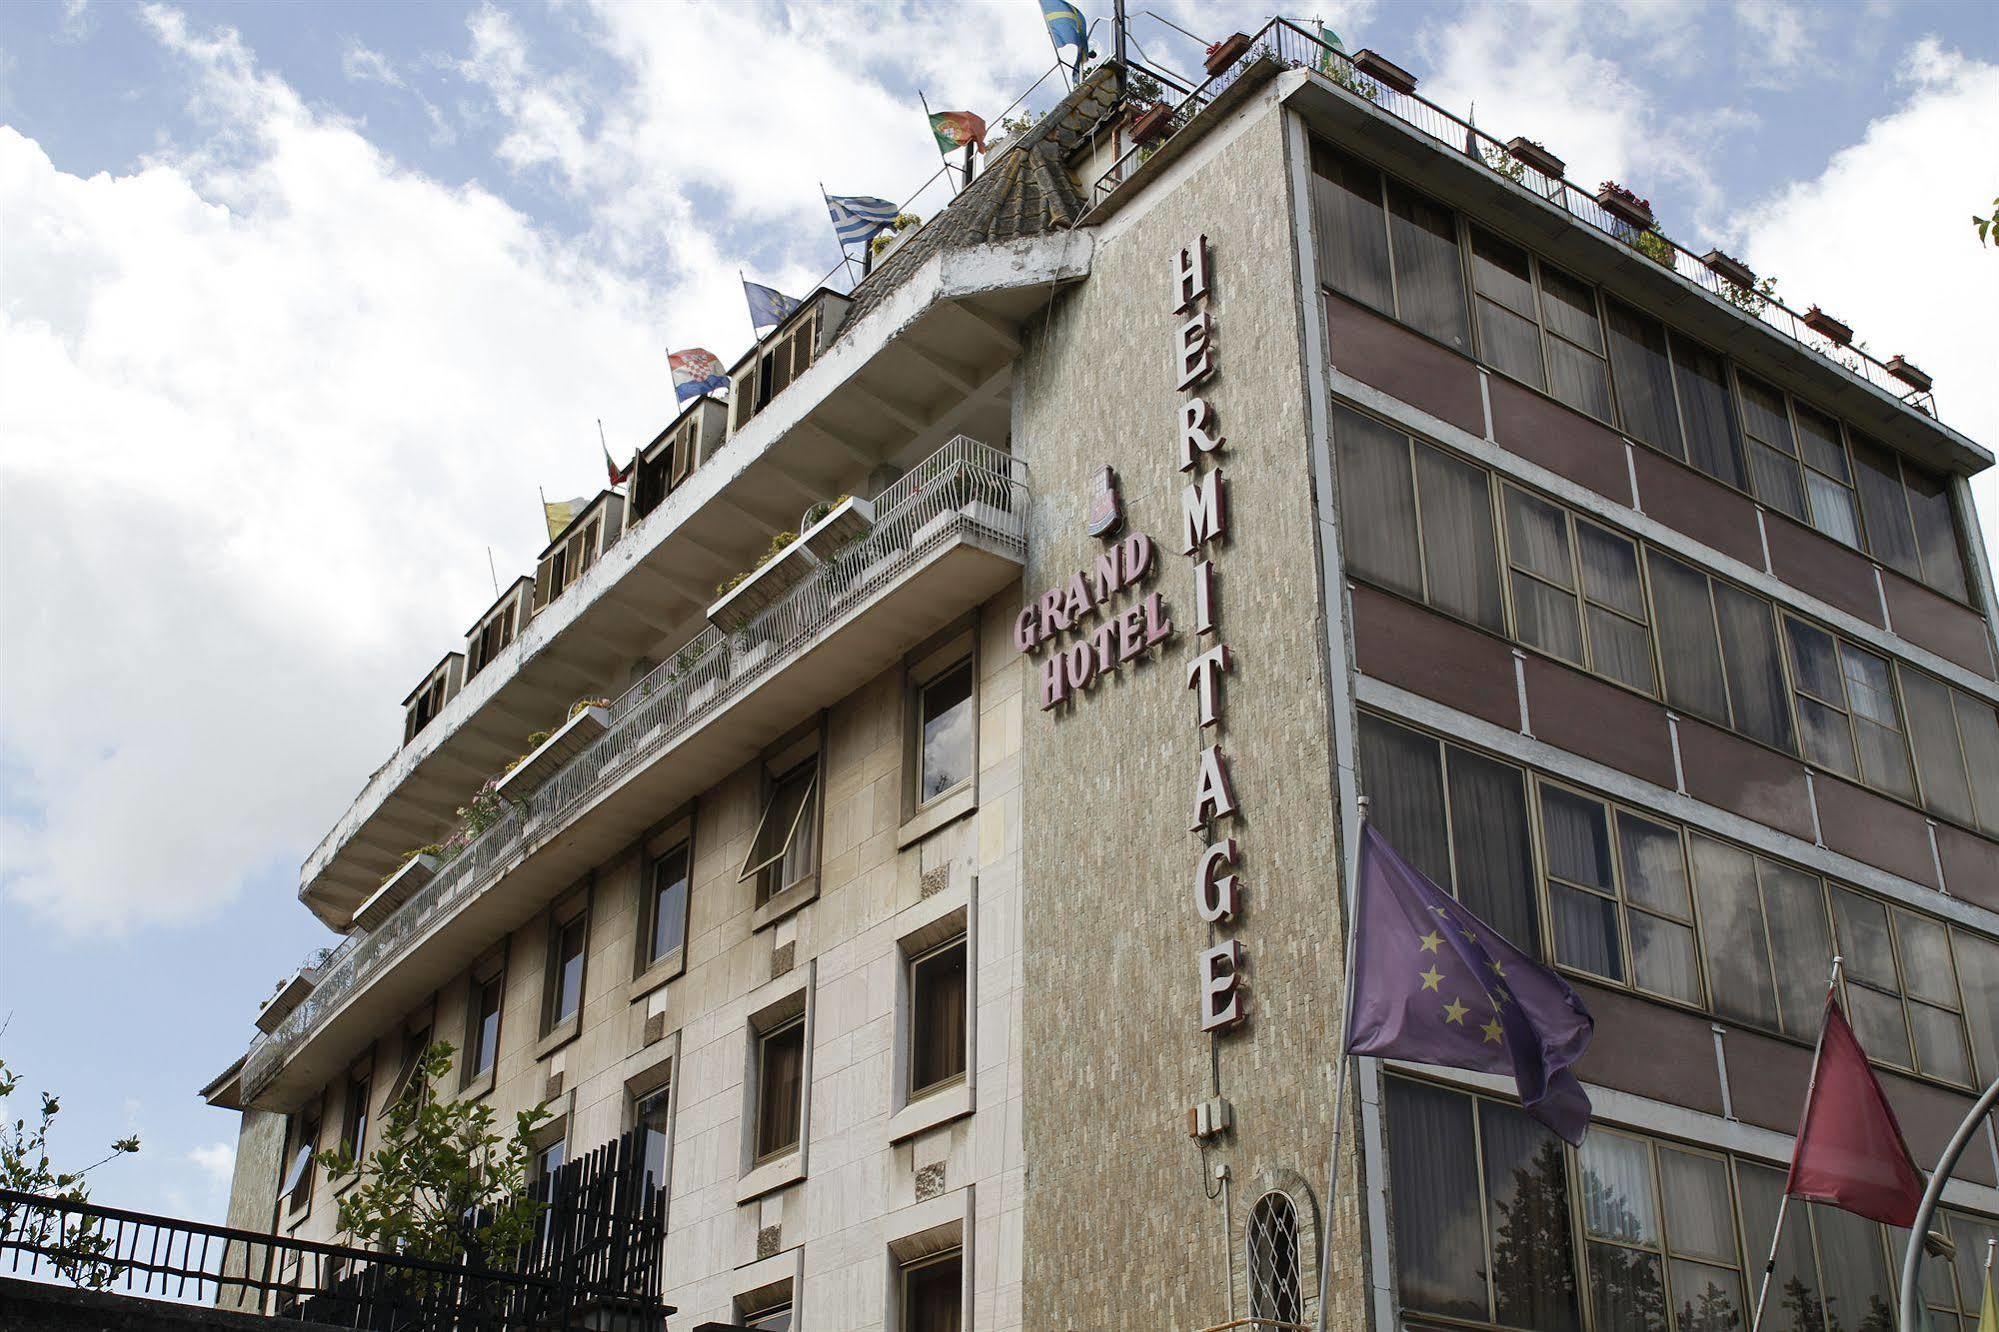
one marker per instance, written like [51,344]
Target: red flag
[1850,1152]
[617,476]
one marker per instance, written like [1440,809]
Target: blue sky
[300,303]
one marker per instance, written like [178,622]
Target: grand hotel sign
[1090,640]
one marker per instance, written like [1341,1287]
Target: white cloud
[1882,238]
[1777,41]
[365,65]
[263,404]
[217,1160]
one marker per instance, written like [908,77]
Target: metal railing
[110,1249]
[1292,47]
[965,488]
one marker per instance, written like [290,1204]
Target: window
[296,1189]
[407,1084]
[1707,412]
[1718,648]
[945,719]
[354,1122]
[1901,987]
[1911,526]
[1276,1285]
[492,638]
[785,848]
[1647,407]
[1846,707]
[567,944]
[1938,751]
[771,1318]
[1547,332]
[1773,452]
[1659,1227]
[780,1088]
[1978,976]
[1502,280]
[652,1116]
[937,997]
[1419,520]
[666,904]
[1481,1211]
[1576,590]
[933,1294]
[1461,818]
[1764,936]
[1388,246]
[1618,895]
[483,1018]
[1954,1297]
[1835,510]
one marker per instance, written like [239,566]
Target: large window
[1385,244]
[666,904]
[1618,895]
[296,1188]
[1765,938]
[785,848]
[1661,1236]
[652,1116]
[1909,520]
[1718,646]
[482,1040]
[568,942]
[933,1294]
[945,719]
[937,995]
[1576,590]
[1276,1279]
[354,1122]
[1846,709]
[780,1088]
[1539,324]
[1901,987]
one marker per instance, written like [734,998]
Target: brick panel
[1585,716]
[1744,778]
[1970,865]
[1435,656]
[1938,623]
[1381,352]
[1649,1049]
[1871,828]
[1705,510]
[1565,442]
[1835,574]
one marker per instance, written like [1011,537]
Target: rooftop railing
[1290,46]
[965,487]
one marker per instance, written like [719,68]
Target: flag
[1988,1308]
[617,477]
[1850,1152]
[1066,24]
[1331,41]
[1435,984]
[857,217]
[1471,134]
[696,371]
[768,305]
[955,129]
[561,513]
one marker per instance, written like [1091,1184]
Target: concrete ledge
[25,1304]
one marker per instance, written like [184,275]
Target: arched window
[1276,1291]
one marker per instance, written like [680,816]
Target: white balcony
[947,536]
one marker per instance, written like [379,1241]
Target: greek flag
[857,217]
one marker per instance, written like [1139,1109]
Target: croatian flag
[696,371]
[1435,984]
[768,305]
[857,217]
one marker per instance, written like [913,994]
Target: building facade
[953,901]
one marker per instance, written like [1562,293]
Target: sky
[301,303]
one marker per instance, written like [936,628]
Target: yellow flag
[561,513]
[1988,1311]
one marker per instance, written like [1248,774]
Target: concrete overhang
[945,583]
[225,1090]
[1515,211]
[933,359]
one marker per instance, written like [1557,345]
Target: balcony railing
[1292,47]
[965,488]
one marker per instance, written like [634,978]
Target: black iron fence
[588,1272]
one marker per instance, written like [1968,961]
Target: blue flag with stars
[768,305]
[1434,984]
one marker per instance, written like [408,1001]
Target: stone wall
[1122,1230]
[253,1189]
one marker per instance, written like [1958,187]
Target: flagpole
[1327,1214]
[1784,1203]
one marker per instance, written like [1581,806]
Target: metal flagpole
[1327,1213]
[1912,1257]
[846,260]
[1784,1203]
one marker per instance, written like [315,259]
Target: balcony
[947,535]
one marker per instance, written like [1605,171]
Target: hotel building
[953,905]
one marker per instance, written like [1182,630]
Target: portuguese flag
[955,129]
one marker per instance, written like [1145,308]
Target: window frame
[953,1257]
[1903,996]
[1579,593]
[920,687]
[759,1153]
[565,917]
[808,808]
[357,1112]
[913,965]
[479,1063]
[297,1199]
[652,890]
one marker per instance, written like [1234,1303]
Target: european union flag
[1066,24]
[857,217]
[1434,984]
[768,305]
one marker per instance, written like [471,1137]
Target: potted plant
[1900,367]
[1823,324]
[1534,155]
[888,240]
[1383,70]
[1151,123]
[1624,205]
[1009,132]
[1226,52]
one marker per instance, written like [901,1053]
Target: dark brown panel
[1822,567]
[1727,771]
[1432,655]
[1929,1114]
[1766,1078]
[1585,716]
[1868,827]
[1649,1049]
[1938,623]
[1543,431]
[1705,510]
[1381,352]
[1970,866]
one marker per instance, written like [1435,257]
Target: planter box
[397,889]
[1385,71]
[1909,374]
[1734,270]
[1534,155]
[1151,124]
[1626,208]
[993,518]
[1225,53]
[786,570]
[850,519]
[568,740]
[896,241]
[1818,321]
[698,697]
[289,996]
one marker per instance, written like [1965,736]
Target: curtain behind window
[1433,1175]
